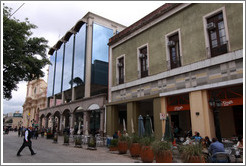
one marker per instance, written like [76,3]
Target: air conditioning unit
[142,55]
[211,26]
[171,43]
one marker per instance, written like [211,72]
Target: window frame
[206,33]
[168,54]
[139,60]
[117,69]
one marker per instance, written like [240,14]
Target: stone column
[132,115]
[71,120]
[61,123]
[88,56]
[73,94]
[159,106]
[112,119]
[54,100]
[101,122]
[201,116]
[85,123]
[63,97]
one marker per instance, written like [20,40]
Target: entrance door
[238,118]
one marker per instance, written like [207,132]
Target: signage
[178,107]
[162,116]
[231,102]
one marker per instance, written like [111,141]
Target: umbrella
[148,130]
[141,130]
[132,126]
[124,124]
[168,135]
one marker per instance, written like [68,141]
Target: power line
[15,11]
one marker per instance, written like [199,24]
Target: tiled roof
[142,22]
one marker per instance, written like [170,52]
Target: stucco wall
[190,23]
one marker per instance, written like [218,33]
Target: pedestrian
[27,142]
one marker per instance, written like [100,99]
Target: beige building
[174,61]
[35,101]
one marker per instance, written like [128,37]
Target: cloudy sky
[55,18]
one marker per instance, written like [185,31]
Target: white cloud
[55,18]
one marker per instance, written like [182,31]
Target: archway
[79,120]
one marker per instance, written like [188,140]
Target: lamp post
[215,104]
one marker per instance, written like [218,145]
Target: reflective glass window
[79,57]
[99,67]
[51,75]
[59,60]
[67,73]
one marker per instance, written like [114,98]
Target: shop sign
[231,102]
[162,116]
[179,107]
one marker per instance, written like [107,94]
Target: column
[133,113]
[73,94]
[63,97]
[201,116]
[88,56]
[71,120]
[46,122]
[159,106]
[112,119]
[61,123]
[101,122]
[54,100]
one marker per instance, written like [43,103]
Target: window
[121,70]
[143,61]
[217,35]
[174,51]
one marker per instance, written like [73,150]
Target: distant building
[35,101]
[13,120]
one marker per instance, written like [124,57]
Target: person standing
[27,142]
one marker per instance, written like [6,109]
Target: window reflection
[68,64]
[58,70]
[79,62]
[99,68]
[51,75]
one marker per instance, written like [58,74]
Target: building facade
[13,120]
[78,77]
[35,101]
[173,61]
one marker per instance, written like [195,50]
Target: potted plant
[113,145]
[162,151]
[78,141]
[92,143]
[192,153]
[147,154]
[55,138]
[66,139]
[134,146]
[123,144]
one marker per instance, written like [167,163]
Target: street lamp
[215,104]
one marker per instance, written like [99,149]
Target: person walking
[27,142]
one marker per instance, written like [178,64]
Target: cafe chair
[221,157]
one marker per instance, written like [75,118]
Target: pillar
[201,115]
[88,56]
[46,122]
[61,123]
[73,94]
[159,106]
[102,112]
[54,100]
[63,97]
[71,120]
[132,115]
[112,119]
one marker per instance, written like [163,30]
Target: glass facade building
[78,77]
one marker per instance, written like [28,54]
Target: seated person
[215,147]
[197,137]
[240,142]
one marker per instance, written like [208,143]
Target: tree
[23,56]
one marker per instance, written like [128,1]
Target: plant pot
[135,150]
[147,154]
[122,147]
[196,159]
[113,148]
[164,157]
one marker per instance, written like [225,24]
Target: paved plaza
[48,152]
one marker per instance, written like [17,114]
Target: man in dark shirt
[27,142]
